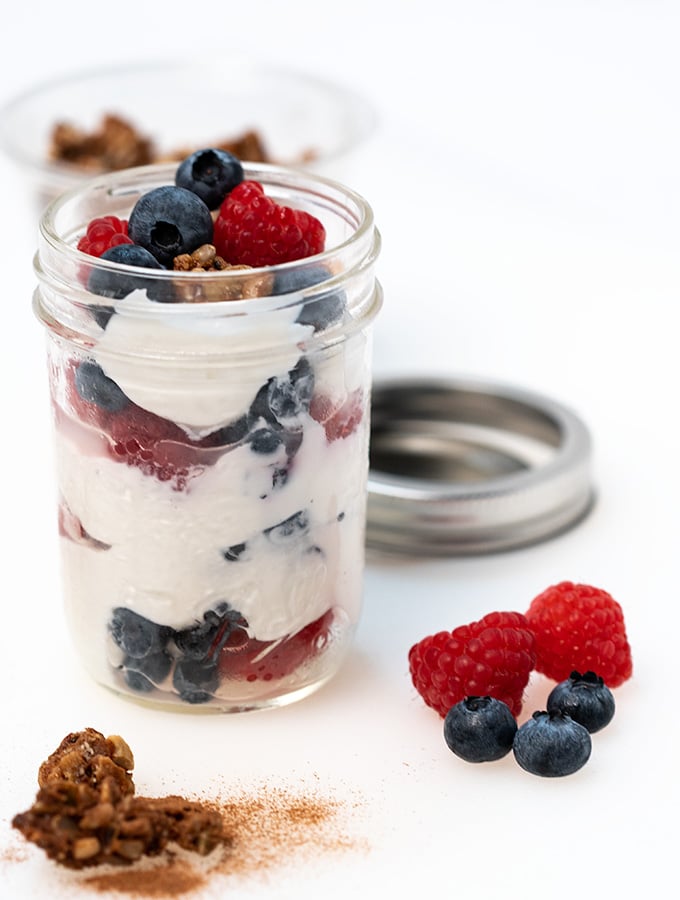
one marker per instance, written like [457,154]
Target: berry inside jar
[212,445]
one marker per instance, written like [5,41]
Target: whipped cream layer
[200,397]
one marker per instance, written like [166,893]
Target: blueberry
[204,640]
[168,221]
[279,477]
[228,434]
[211,174]
[118,284]
[586,698]
[291,396]
[195,680]
[265,440]
[324,311]
[480,729]
[552,745]
[321,312]
[235,552]
[283,398]
[138,682]
[287,281]
[292,527]
[96,387]
[144,674]
[101,315]
[137,636]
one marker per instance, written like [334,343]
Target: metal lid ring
[464,466]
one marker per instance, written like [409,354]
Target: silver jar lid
[461,467]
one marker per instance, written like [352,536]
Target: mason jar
[212,451]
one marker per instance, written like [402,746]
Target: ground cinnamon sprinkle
[264,830]
[173,878]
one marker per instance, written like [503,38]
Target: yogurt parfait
[209,335]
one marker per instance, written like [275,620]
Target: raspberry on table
[580,627]
[253,229]
[103,233]
[492,657]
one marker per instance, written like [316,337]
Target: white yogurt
[202,398]
[161,552]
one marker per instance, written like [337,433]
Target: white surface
[525,179]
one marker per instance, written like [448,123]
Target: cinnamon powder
[268,829]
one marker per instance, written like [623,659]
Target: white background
[525,178]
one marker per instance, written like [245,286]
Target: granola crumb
[116,143]
[85,812]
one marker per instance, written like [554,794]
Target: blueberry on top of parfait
[210,174]
[168,221]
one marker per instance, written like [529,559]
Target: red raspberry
[271,660]
[254,230]
[580,628]
[132,435]
[103,233]
[493,657]
[338,421]
[157,446]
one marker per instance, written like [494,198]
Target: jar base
[223,706]
[241,702]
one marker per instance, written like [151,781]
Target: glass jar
[212,452]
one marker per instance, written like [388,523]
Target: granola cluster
[86,812]
[206,259]
[115,143]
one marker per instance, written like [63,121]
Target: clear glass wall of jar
[212,452]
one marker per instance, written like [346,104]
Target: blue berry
[265,440]
[195,680]
[211,174]
[283,398]
[204,640]
[228,434]
[586,698]
[168,221]
[96,387]
[324,311]
[290,396]
[101,315]
[138,682]
[480,729]
[321,312]
[551,745]
[235,552]
[118,284]
[137,636]
[290,529]
[144,674]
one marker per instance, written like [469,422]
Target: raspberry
[493,657]
[579,627]
[254,230]
[104,233]
[338,421]
[271,660]
[155,445]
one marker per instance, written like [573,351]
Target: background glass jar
[212,452]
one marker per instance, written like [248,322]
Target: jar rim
[129,182]
[65,302]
